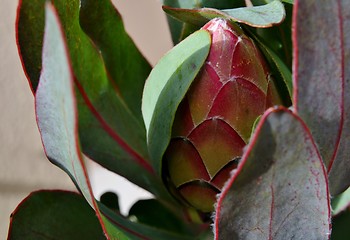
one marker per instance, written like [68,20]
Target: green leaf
[280,185]
[258,16]
[154,213]
[103,113]
[165,88]
[54,215]
[56,110]
[30,54]
[322,83]
[110,200]
[340,225]
[57,122]
[125,64]
[178,29]
[341,202]
[136,231]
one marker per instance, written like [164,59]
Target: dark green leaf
[340,224]
[53,215]
[258,16]
[125,65]
[110,200]
[165,88]
[136,231]
[322,78]
[57,121]
[56,111]
[103,112]
[31,38]
[279,190]
[153,213]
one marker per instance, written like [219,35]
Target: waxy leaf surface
[104,113]
[166,87]
[54,215]
[57,121]
[340,226]
[126,67]
[258,16]
[279,190]
[56,109]
[322,81]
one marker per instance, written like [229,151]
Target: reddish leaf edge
[115,136]
[340,131]
[246,154]
[19,206]
[125,228]
[19,7]
[296,77]
[77,146]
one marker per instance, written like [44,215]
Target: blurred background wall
[23,165]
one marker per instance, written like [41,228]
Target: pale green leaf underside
[55,106]
[166,87]
[258,16]
[57,114]
[341,202]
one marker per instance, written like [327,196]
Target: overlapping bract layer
[215,119]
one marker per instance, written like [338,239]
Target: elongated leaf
[259,16]
[322,81]
[339,171]
[341,202]
[279,190]
[126,66]
[31,54]
[56,110]
[54,215]
[103,113]
[136,231]
[165,88]
[57,121]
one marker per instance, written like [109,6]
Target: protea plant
[207,133]
[215,119]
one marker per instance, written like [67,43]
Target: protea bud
[214,121]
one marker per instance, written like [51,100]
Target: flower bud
[214,121]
